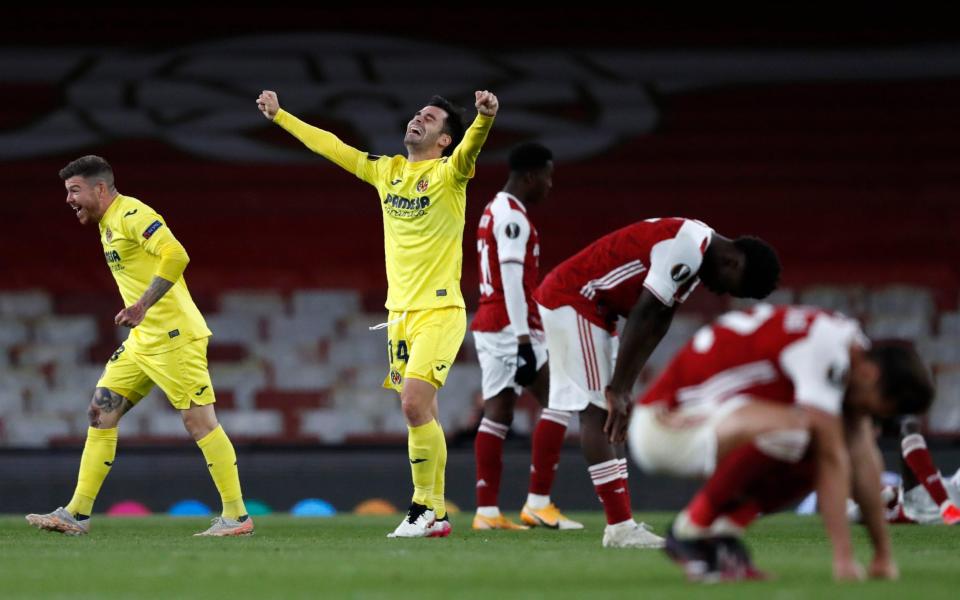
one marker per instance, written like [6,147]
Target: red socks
[547,443]
[488,450]
[918,458]
[612,489]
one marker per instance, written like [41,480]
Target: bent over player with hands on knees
[423,201]
[167,347]
[642,272]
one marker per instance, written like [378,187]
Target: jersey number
[402,352]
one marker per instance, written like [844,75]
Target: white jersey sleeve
[674,263]
[818,363]
[511,275]
[511,230]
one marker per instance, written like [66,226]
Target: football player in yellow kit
[423,200]
[167,346]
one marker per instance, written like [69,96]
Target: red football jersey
[505,235]
[604,280]
[785,354]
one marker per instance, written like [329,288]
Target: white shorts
[683,449]
[582,356]
[497,353]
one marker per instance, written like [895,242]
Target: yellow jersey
[423,205]
[135,240]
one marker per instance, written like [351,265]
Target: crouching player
[768,404]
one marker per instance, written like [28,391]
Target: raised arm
[464,157]
[318,140]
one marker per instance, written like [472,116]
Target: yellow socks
[439,505]
[222,462]
[101,447]
[423,445]
[98,454]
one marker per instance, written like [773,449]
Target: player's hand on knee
[486,103]
[526,365]
[883,568]
[618,415]
[268,103]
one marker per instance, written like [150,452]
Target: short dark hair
[904,377]
[761,272]
[453,124]
[529,156]
[90,166]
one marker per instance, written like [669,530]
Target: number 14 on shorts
[402,352]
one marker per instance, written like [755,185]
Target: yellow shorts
[181,373]
[424,344]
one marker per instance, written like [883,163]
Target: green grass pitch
[350,557]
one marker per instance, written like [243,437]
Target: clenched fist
[269,104]
[486,103]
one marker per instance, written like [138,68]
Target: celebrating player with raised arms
[423,198]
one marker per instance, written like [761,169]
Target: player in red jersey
[767,404]
[642,272]
[510,344]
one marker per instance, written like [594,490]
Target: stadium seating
[854,183]
[306,368]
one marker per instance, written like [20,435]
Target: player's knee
[500,409]
[789,445]
[592,420]
[93,414]
[100,418]
[197,431]
[500,415]
[416,403]
[198,424]
[593,441]
[415,410]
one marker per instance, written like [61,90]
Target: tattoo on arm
[158,287]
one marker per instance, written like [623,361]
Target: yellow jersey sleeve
[464,158]
[173,258]
[153,235]
[364,166]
